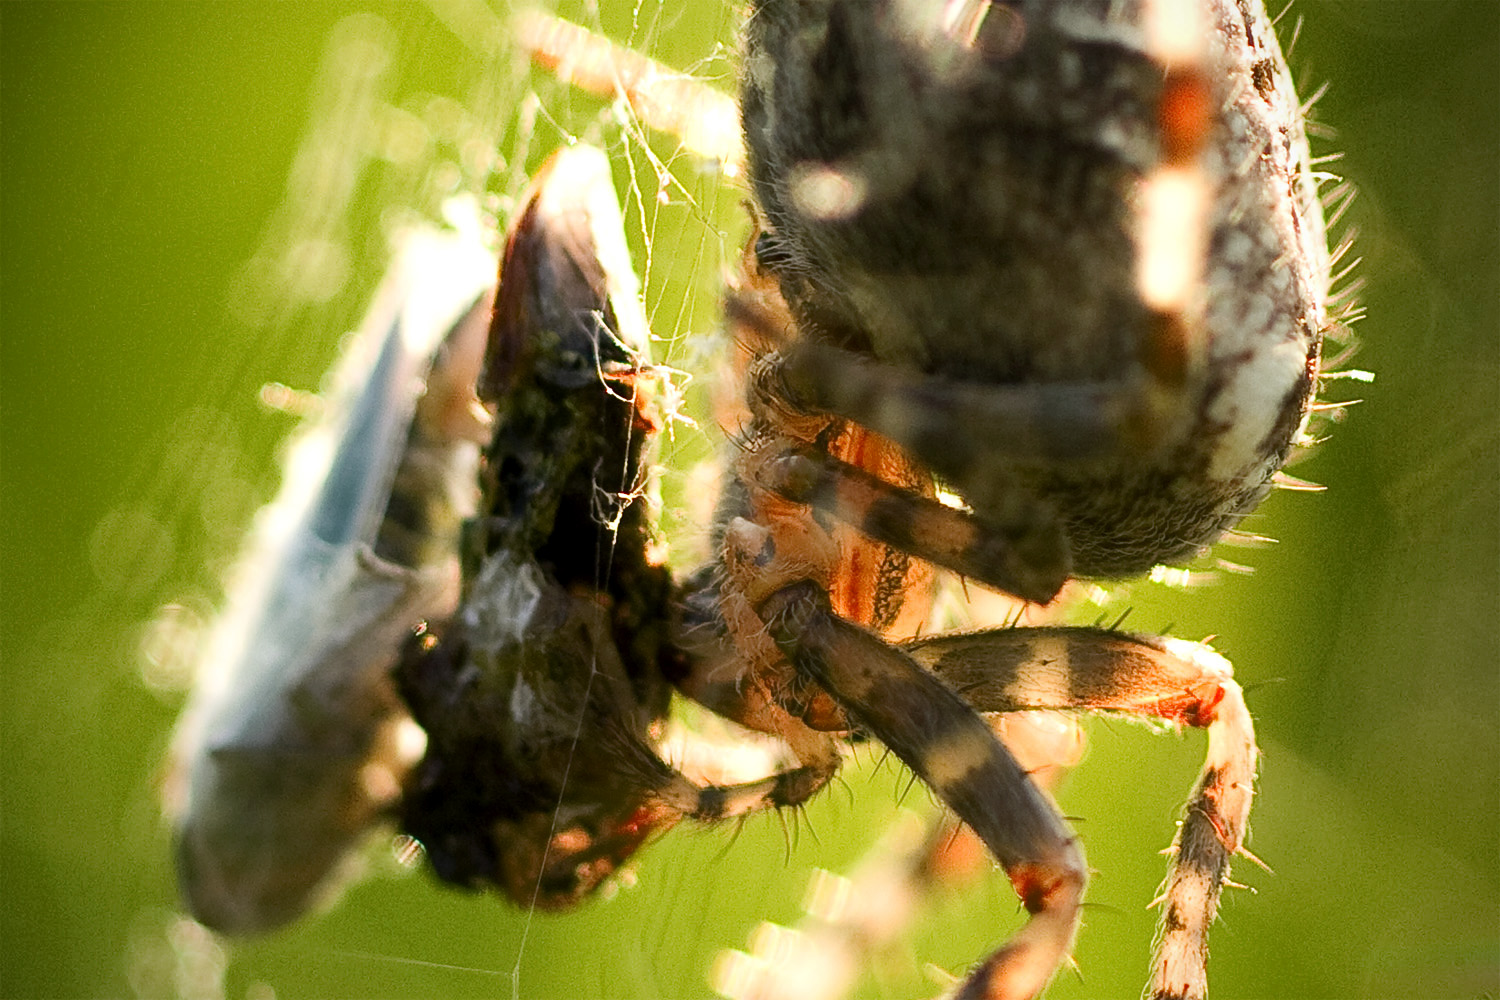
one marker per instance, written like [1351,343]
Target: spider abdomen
[1045,199]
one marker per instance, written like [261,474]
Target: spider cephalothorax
[969,231]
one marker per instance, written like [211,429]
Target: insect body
[290,747]
[544,695]
[523,688]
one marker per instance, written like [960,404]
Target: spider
[1068,258]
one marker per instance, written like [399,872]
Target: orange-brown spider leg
[1027,557]
[950,747]
[1181,682]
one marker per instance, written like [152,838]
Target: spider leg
[946,743]
[959,427]
[1022,552]
[710,802]
[704,119]
[1170,679]
[730,674]
[1011,539]
[851,921]
[777,564]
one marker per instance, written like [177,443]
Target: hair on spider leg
[1282,481]
[804,821]
[790,831]
[1094,906]
[1337,200]
[911,782]
[1248,539]
[1265,682]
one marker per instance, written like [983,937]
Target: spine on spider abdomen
[291,744]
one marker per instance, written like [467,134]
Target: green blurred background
[156,273]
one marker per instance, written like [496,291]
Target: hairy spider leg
[778,562]
[1027,557]
[735,668]
[703,119]
[851,921]
[945,743]
[884,586]
[1180,682]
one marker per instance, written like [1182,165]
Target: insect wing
[286,752]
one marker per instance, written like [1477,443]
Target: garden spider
[1070,257]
